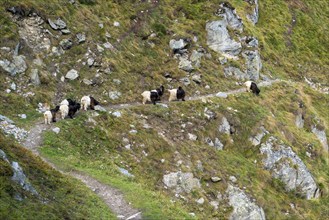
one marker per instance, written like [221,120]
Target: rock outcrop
[243,207]
[181,182]
[285,165]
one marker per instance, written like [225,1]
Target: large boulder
[321,135]
[181,182]
[219,40]
[228,13]
[14,67]
[254,64]
[224,127]
[285,165]
[243,207]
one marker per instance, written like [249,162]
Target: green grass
[99,149]
[59,196]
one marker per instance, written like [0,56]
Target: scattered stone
[34,78]
[214,204]
[109,46]
[117,81]
[8,127]
[235,72]
[256,140]
[200,201]
[252,42]
[81,37]
[253,17]
[177,45]
[185,81]
[56,130]
[100,48]
[210,115]
[116,24]
[66,44]
[72,74]
[185,64]
[299,120]
[99,108]
[14,67]
[192,137]
[114,95]
[13,86]
[66,31]
[197,78]
[20,178]
[8,91]
[321,135]
[101,25]
[90,61]
[233,179]
[125,172]
[87,82]
[133,131]
[117,114]
[181,182]
[58,24]
[22,116]
[162,105]
[243,207]
[221,95]
[225,126]
[215,179]
[222,60]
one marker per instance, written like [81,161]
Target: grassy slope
[62,197]
[139,67]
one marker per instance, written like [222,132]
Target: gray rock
[196,58]
[3,156]
[233,179]
[34,78]
[178,44]
[299,120]
[181,182]
[197,78]
[16,66]
[221,95]
[321,135]
[58,24]
[219,40]
[209,114]
[253,17]
[72,74]
[23,116]
[215,179]
[56,130]
[252,42]
[117,114]
[116,24]
[218,145]
[185,64]
[13,86]
[222,60]
[254,64]
[185,80]
[117,81]
[243,207]
[114,95]
[108,45]
[192,137]
[228,13]
[66,31]
[125,172]
[90,61]
[100,108]
[234,72]
[285,165]
[200,201]
[66,44]
[256,140]
[81,37]
[20,178]
[214,204]
[224,127]
[87,82]
[163,105]
[8,127]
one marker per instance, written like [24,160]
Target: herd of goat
[68,107]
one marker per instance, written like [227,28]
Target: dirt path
[193,98]
[111,196]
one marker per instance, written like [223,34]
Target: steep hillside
[223,153]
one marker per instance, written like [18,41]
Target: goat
[50,115]
[251,86]
[153,95]
[176,94]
